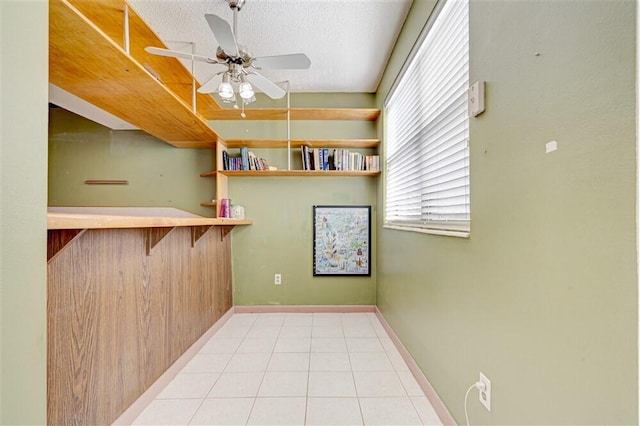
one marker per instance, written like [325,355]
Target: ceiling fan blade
[223,34]
[295,61]
[266,86]
[210,85]
[176,54]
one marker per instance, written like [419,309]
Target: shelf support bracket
[224,231]
[197,232]
[57,239]
[154,236]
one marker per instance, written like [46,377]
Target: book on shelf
[337,159]
[246,160]
[225,160]
[244,154]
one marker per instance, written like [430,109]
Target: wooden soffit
[87,58]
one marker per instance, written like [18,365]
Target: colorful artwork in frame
[341,240]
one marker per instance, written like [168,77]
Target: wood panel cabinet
[118,317]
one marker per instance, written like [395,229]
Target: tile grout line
[344,324]
[221,373]
[255,399]
[353,377]
[234,353]
[395,370]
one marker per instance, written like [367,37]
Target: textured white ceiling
[348,41]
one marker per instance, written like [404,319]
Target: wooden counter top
[129,217]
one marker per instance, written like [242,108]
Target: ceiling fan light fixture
[225,90]
[245,90]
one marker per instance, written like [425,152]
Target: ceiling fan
[241,66]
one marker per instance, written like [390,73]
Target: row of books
[337,159]
[247,160]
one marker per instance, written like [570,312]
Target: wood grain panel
[117,318]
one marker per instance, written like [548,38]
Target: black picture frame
[341,240]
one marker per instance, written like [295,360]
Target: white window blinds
[427,129]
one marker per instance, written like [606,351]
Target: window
[427,130]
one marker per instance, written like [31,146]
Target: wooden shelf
[363,114]
[208,204]
[90,221]
[297,143]
[274,173]
[85,60]
[209,174]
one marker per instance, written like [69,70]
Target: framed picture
[341,240]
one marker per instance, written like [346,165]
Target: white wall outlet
[550,146]
[485,395]
[476,99]
[277,279]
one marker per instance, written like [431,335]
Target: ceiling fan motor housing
[244,58]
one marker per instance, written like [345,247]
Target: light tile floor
[294,369]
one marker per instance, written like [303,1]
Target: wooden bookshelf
[363,114]
[297,143]
[298,173]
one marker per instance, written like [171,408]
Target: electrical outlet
[277,279]
[485,395]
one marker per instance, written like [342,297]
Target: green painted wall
[281,238]
[23,220]
[543,297]
[161,175]
[158,173]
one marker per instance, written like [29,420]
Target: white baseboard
[437,404]
[303,308]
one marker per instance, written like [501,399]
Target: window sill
[444,232]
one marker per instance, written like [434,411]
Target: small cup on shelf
[237,211]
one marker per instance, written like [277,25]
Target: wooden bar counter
[129,291]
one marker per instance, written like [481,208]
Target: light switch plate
[476,99]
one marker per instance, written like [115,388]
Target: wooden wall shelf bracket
[57,239]
[153,236]
[224,231]
[197,232]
